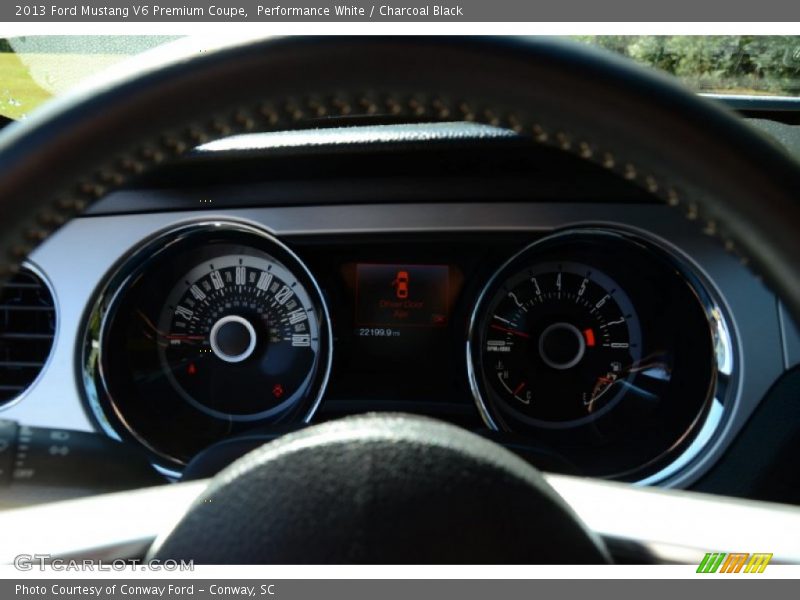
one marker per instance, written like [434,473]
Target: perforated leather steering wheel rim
[722,175]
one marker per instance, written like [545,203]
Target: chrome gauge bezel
[96,387]
[722,395]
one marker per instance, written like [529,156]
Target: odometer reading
[559,342]
[378,332]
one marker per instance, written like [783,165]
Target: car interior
[399,300]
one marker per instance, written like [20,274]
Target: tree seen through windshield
[733,64]
[35,68]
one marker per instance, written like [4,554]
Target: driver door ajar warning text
[402,295]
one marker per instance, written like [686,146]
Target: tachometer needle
[511,331]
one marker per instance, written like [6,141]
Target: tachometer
[603,349]
[562,338]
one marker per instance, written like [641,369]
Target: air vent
[27,329]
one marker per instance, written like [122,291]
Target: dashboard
[271,281]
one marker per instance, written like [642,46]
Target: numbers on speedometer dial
[238,337]
[208,330]
[560,341]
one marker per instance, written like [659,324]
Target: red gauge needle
[512,331]
[168,336]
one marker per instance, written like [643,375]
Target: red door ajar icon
[400,284]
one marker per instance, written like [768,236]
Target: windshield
[36,68]
[724,64]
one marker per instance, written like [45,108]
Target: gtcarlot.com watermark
[43,562]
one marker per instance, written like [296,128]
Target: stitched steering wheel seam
[23,229]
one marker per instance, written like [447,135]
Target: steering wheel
[400,489]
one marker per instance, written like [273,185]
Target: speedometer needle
[170,336]
[511,331]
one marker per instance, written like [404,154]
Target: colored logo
[741,562]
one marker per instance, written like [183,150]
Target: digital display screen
[401,295]
[399,312]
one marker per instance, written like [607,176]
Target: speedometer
[238,336]
[561,340]
[206,331]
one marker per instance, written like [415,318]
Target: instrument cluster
[593,350]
